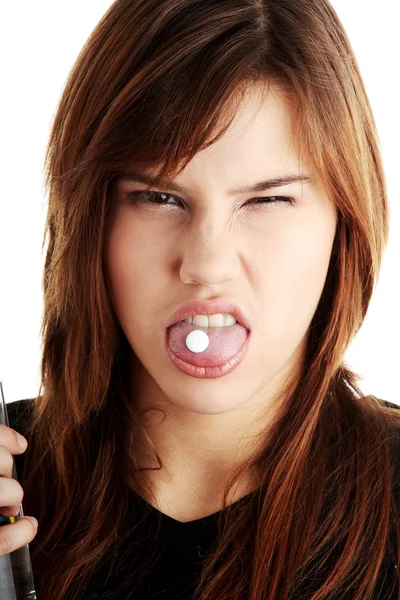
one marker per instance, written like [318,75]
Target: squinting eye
[140,196]
[272,200]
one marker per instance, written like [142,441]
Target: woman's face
[206,243]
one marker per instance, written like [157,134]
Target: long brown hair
[157,81]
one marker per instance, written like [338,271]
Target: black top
[177,548]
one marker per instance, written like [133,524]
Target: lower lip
[209,372]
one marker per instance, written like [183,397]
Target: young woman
[211,158]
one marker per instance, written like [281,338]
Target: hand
[21,532]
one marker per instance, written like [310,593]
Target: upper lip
[209,307]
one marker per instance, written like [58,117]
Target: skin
[273,260]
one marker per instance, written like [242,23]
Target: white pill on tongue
[225,343]
[197,341]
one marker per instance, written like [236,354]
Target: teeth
[220,320]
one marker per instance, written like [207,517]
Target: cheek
[293,274]
[304,248]
[120,263]
[133,286]
[309,260]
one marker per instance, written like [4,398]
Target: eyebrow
[274,182]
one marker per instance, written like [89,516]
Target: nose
[210,254]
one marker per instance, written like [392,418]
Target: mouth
[226,350]
[220,324]
[209,308]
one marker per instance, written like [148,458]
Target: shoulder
[395,449]
[395,426]
[388,404]
[19,413]
[395,429]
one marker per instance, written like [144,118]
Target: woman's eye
[161,199]
[273,200]
[143,196]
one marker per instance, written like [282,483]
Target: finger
[6,462]
[11,492]
[15,535]
[10,511]
[9,438]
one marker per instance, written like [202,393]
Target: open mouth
[224,352]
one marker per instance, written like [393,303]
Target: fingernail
[34,522]
[21,440]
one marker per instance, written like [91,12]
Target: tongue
[225,343]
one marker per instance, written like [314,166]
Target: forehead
[258,137]
[257,147]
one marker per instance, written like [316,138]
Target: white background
[39,43]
